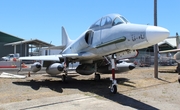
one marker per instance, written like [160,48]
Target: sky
[43,19]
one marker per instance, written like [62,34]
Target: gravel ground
[137,89]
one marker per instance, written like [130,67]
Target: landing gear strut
[178,70]
[113,86]
[97,76]
[66,65]
[64,78]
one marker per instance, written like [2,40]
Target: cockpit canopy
[109,20]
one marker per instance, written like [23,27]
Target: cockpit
[109,21]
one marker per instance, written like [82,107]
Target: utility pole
[177,41]
[155,46]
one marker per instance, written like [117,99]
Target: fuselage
[113,34]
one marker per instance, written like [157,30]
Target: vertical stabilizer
[177,41]
[65,38]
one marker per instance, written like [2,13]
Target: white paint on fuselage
[113,39]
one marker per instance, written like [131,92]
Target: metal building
[6,38]
[11,45]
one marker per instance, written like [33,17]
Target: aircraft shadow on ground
[98,87]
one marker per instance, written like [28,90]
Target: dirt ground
[41,85]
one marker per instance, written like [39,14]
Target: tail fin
[177,41]
[65,38]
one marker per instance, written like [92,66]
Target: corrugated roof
[4,37]
[170,41]
[33,42]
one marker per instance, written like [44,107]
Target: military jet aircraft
[110,38]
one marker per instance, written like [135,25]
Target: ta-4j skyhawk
[109,39]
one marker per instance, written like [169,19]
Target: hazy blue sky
[42,19]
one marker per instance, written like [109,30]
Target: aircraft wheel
[97,77]
[113,89]
[179,79]
[63,78]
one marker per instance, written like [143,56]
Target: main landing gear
[97,77]
[178,70]
[179,76]
[64,76]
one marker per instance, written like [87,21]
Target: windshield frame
[124,19]
[119,20]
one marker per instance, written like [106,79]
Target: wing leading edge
[57,57]
[49,57]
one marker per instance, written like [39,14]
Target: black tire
[178,68]
[179,79]
[97,77]
[63,78]
[114,89]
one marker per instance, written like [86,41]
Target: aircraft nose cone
[156,34]
[131,67]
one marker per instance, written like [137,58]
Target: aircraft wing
[173,50]
[57,47]
[57,57]
[49,57]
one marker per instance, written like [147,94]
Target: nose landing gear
[113,86]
